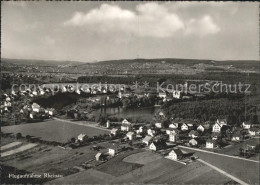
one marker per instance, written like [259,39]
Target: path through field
[18,150]
[234,157]
[223,172]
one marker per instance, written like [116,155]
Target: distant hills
[128,61]
[39,62]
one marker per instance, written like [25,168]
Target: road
[234,157]
[79,123]
[245,170]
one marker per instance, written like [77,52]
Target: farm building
[81,137]
[176,154]
[100,156]
[147,140]
[157,145]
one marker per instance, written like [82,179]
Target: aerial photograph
[130,92]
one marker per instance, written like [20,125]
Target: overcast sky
[90,31]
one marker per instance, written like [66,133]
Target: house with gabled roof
[157,145]
[201,128]
[222,122]
[246,125]
[113,149]
[130,135]
[185,127]
[173,125]
[175,154]
[147,140]
[114,131]
[216,127]
[172,130]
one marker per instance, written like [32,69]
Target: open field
[247,171]
[116,166]
[53,130]
[142,158]
[18,150]
[85,177]
[161,171]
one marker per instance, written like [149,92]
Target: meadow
[53,130]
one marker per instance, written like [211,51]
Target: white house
[162,95]
[158,125]
[171,131]
[176,154]
[125,127]
[174,125]
[193,142]
[151,132]
[185,126]
[126,122]
[114,131]
[81,137]
[113,150]
[210,144]
[172,137]
[216,127]
[140,130]
[221,122]
[130,135]
[176,94]
[253,131]
[201,128]
[246,125]
[147,140]
[35,107]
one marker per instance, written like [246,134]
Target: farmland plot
[10,145]
[53,130]
[18,150]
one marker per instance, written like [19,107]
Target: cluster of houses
[6,104]
[36,111]
[154,137]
